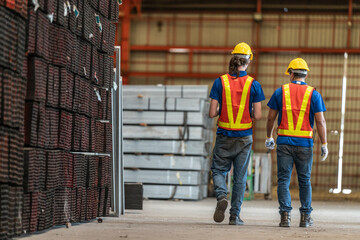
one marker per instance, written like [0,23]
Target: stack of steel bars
[13,15]
[69,71]
[168,140]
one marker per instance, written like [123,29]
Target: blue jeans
[227,151]
[303,158]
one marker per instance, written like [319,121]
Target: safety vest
[235,114]
[295,120]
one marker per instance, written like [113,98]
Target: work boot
[220,209]
[235,220]
[285,219]
[306,220]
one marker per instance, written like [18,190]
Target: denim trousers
[228,151]
[302,157]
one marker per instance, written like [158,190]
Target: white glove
[269,143]
[324,152]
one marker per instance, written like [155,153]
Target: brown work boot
[285,219]
[306,220]
[219,213]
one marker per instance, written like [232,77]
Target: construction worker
[298,105]
[236,98]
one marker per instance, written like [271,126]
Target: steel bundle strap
[297,131]
[237,124]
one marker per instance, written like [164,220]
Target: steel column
[118,198]
[349,24]
[125,40]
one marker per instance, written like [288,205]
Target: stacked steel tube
[13,15]
[167,140]
[69,71]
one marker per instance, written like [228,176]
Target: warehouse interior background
[60,88]
[188,42]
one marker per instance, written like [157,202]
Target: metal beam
[173,75]
[177,192]
[318,7]
[349,24]
[218,50]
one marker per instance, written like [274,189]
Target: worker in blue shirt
[298,105]
[236,98]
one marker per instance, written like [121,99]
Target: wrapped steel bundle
[12,101]
[39,37]
[11,162]
[76,20]
[104,70]
[12,40]
[34,170]
[67,169]
[108,138]
[4,210]
[107,37]
[82,96]
[104,7]
[16,161]
[4,155]
[52,89]
[34,118]
[52,128]
[66,89]
[15,210]
[80,170]
[81,65]
[65,130]
[37,77]
[18,6]
[62,47]
[91,30]
[62,206]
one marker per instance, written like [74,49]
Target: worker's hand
[270,143]
[324,152]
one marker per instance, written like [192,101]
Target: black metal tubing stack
[13,16]
[69,72]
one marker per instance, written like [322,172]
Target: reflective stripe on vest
[297,132]
[228,121]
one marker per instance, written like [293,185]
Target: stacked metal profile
[167,140]
[13,17]
[67,100]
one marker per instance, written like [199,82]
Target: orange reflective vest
[295,121]
[235,114]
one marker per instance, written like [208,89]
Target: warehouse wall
[291,32]
[13,16]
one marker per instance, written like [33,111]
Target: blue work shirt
[317,105]
[256,95]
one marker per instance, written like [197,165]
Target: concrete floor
[193,220]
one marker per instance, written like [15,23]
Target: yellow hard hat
[244,49]
[297,63]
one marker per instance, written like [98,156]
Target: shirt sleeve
[257,92]
[274,100]
[317,102]
[216,90]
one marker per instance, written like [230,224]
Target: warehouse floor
[193,220]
